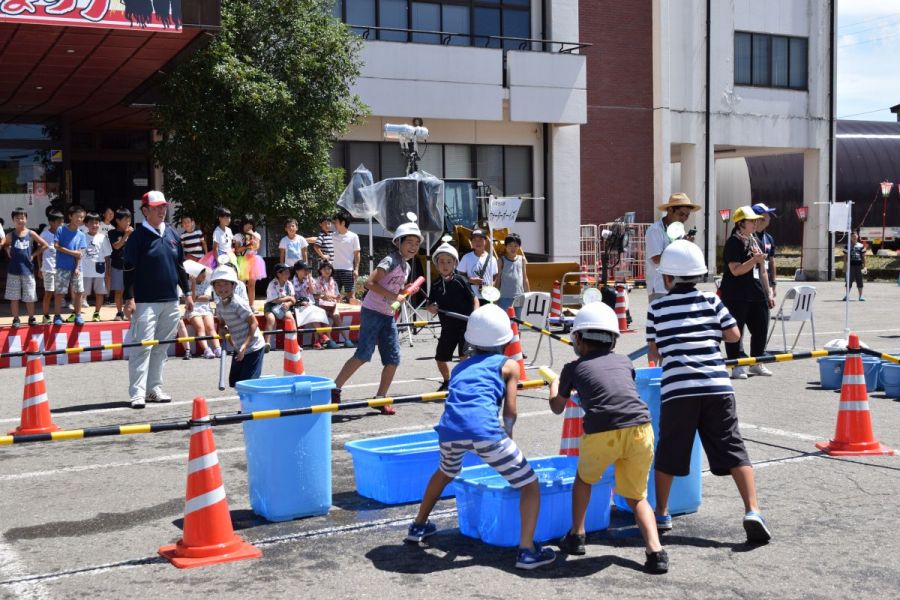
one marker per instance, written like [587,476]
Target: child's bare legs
[529,505]
[337,321]
[663,487]
[646,522]
[270,325]
[581,496]
[98,302]
[746,485]
[209,327]
[433,493]
[57,303]
[120,304]
[48,296]
[182,332]
[387,376]
[251,293]
[200,329]
[29,308]
[76,302]
[444,369]
[14,307]
[350,367]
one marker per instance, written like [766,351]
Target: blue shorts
[249,368]
[378,329]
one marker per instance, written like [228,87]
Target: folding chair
[535,310]
[802,297]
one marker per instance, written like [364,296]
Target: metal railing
[445,38]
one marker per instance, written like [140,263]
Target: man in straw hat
[677,209]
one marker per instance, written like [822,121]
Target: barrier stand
[35,404]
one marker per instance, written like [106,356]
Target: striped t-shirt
[192,242]
[326,244]
[687,326]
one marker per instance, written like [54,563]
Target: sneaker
[187,355]
[331,345]
[349,344]
[760,370]
[137,402]
[844,299]
[208,353]
[120,316]
[15,322]
[158,396]
[46,320]
[755,526]
[336,395]
[32,321]
[217,352]
[534,558]
[445,385]
[862,299]
[664,523]
[96,317]
[268,348]
[572,543]
[657,562]
[317,345]
[79,320]
[417,533]
[738,373]
[58,320]
[71,318]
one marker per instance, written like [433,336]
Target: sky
[868,82]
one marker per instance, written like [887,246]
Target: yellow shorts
[630,449]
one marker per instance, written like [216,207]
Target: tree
[248,122]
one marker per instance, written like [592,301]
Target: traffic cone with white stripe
[573,428]
[208,536]
[853,435]
[556,302]
[514,347]
[293,355]
[35,405]
[621,309]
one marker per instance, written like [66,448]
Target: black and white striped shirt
[192,242]
[687,326]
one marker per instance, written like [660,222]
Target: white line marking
[11,567]
[782,433]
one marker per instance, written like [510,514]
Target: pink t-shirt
[326,286]
[397,272]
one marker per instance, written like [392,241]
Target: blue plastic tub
[288,459]
[488,508]
[890,377]
[831,372]
[687,492]
[394,469]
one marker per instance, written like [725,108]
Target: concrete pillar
[662,133]
[815,238]
[565,192]
[693,183]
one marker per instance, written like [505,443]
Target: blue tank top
[20,256]
[475,395]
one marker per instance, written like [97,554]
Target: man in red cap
[154,270]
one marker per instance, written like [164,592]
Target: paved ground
[86,517]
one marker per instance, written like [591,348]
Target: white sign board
[503,212]
[838,216]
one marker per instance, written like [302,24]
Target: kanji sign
[108,14]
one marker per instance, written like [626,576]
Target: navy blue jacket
[154,266]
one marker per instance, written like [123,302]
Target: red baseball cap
[153,198]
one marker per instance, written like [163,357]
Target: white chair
[801,298]
[535,310]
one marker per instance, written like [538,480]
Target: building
[731,79]
[77,82]
[500,85]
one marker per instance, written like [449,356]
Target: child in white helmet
[479,386]
[685,327]
[451,292]
[617,428]
[376,318]
[235,313]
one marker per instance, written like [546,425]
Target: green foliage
[248,121]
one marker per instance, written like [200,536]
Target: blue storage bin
[488,508]
[288,459]
[686,493]
[890,377]
[831,372]
[395,469]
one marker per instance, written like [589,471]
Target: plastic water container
[288,459]
[395,469]
[488,508]
[890,377]
[831,372]
[686,493]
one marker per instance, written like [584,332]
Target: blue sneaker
[534,558]
[417,532]
[79,320]
[755,526]
[664,523]
[58,320]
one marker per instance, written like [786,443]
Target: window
[455,19]
[393,13]
[426,16]
[770,60]
[487,23]
[359,12]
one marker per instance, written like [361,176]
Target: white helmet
[596,317]
[224,274]
[407,229]
[488,327]
[445,248]
[682,258]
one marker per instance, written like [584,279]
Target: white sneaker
[157,395]
[760,370]
[738,373]
[137,402]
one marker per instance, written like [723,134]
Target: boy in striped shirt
[685,328]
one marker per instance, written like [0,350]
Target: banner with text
[503,212]
[107,14]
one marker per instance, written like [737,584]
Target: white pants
[150,321]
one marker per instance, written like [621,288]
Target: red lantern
[725,214]
[802,213]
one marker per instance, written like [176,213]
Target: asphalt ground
[85,518]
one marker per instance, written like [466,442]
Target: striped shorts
[503,455]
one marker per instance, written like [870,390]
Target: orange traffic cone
[570,440]
[35,406]
[621,310]
[853,435]
[208,536]
[514,347]
[293,355]
[556,301]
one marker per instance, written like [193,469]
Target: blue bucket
[686,494]
[288,459]
[890,377]
[831,372]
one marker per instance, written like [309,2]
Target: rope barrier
[196,338]
[231,418]
[773,358]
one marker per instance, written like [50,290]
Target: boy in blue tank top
[479,386]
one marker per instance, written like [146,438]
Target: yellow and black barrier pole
[230,419]
[881,355]
[774,358]
[543,331]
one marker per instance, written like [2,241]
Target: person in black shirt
[857,265]
[451,292]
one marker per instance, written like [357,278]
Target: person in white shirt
[95,267]
[292,247]
[223,238]
[346,255]
[479,266]
[678,208]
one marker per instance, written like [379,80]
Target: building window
[471,22]
[507,169]
[767,60]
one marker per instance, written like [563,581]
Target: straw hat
[677,200]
